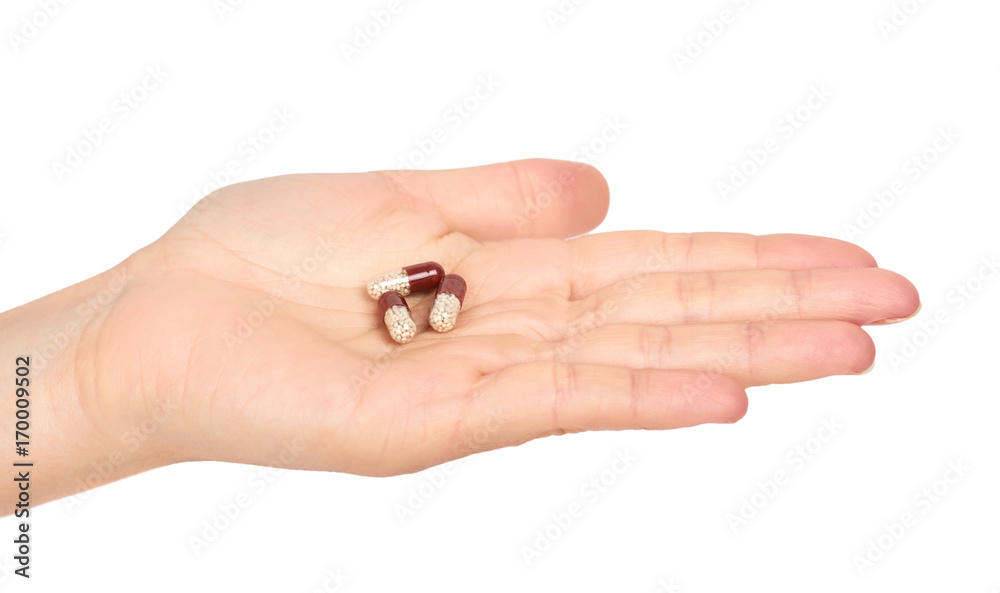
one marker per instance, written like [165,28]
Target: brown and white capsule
[413,278]
[396,315]
[448,302]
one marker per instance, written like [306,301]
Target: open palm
[249,323]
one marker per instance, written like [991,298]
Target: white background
[663,524]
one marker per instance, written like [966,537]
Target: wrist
[81,424]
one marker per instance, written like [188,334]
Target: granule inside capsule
[444,314]
[398,281]
[401,327]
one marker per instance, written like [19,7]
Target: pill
[413,278]
[396,315]
[448,302]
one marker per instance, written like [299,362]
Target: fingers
[542,398]
[753,354]
[529,198]
[857,295]
[521,268]
[605,258]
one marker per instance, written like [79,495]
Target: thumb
[527,198]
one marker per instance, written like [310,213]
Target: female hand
[245,333]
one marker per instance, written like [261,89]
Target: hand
[247,335]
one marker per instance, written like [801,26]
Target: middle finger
[857,295]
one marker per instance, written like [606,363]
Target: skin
[245,334]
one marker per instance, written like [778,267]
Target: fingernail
[898,319]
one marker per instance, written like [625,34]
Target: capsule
[448,302]
[413,278]
[396,315]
